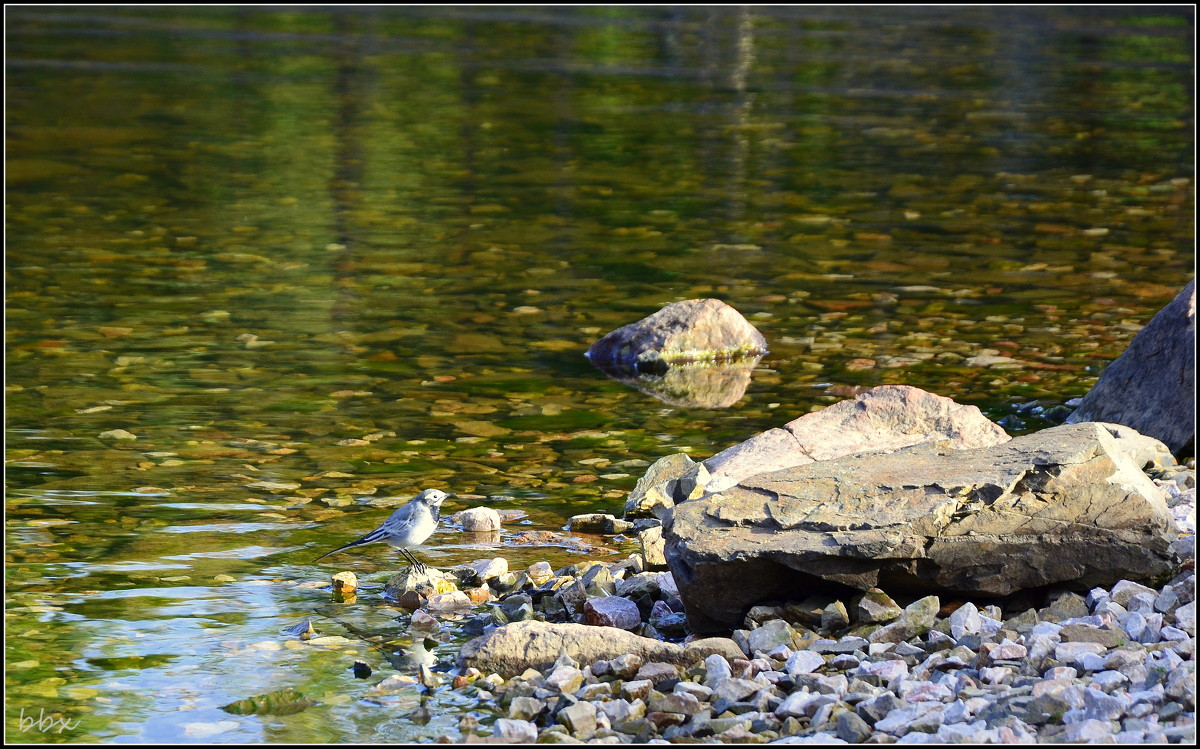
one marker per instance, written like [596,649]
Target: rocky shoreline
[1113,664]
[1077,540]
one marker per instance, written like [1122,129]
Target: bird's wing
[402,515]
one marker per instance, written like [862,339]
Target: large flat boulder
[511,649]
[881,419]
[1152,386]
[1066,505]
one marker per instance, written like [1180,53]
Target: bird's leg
[413,562]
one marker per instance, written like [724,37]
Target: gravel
[1113,664]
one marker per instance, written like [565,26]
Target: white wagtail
[408,526]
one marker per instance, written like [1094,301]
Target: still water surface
[270,273]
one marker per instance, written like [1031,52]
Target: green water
[268,271]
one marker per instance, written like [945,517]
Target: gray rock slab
[882,419]
[1065,505]
[511,649]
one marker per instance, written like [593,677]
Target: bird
[408,526]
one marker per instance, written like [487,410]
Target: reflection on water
[270,272]
[694,385]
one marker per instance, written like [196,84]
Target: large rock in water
[511,649]
[1152,386]
[1066,505]
[688,332]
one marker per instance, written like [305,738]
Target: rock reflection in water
[480,537]
[695,385]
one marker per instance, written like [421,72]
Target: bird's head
[433,497]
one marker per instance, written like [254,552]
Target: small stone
[1185,618]
[1086,731]
[875,708]
[1095,597]
[1006,650]
[657,673]
[654,555]
[876,607]
[594,692]
[923,691]
[887,671]
[623,715]
[579,718]
[736,690]
[834,617]
[1106,636]
[487,569]
[995,675]
[916,620]
[1073,652]
[769,636]
[424,622]
[797,704]
[515,731]
[456,601]
[936,641]
[844,645]
[852,729]
[965,620]
[525,708]
[598,523]
[344,582]
[1066,606]
[1142,603]
[1109,680]
[625,666]
[1124,590]
[675,702]
[117,434]
[1134,625]
[393,683]
[612,611]
[716,671]
[903,720]
[803,662]
[540,572]
[1167,601]
[479,519]
[565,679]
[636,689]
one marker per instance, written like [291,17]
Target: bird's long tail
[376,535]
